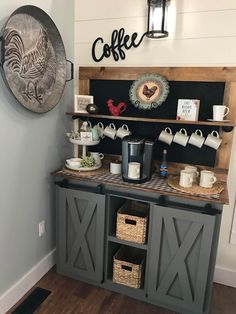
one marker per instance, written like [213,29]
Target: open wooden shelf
[113,286]
[129,243]
[132,292]
[126,118]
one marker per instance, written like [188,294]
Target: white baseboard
[22,286]
[225,276]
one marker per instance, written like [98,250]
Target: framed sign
[149,92]
[81,102]
[188,109]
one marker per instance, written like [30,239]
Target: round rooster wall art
[149,92]
[33,59]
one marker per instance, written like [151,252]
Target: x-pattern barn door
[81,237]
[180,258]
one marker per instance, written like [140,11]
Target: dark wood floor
[74,297]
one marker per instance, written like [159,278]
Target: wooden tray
[195,189]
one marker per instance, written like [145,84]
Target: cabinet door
[180,255]
[80,233]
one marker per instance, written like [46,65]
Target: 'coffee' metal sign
[119,43]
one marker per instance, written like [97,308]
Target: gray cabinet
[180,259]
[80,234]
[180,248]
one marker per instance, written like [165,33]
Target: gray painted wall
[32,146]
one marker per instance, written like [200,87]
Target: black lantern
[157,18]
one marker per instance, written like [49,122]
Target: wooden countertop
[155,185]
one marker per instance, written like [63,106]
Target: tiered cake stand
[84,145]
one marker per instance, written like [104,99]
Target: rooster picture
[30,64]
[149,92]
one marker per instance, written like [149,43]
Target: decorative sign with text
[188,109]
[119,43]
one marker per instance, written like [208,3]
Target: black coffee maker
[137,151]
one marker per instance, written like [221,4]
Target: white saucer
[85,143]
[83,168]
[218,120]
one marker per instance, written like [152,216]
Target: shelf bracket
[74,117]
[227,129]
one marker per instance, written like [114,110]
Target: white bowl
[73,163]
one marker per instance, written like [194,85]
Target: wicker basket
[131,223]
[128,267]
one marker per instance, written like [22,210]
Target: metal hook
[2,51]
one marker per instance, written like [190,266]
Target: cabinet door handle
[2,51]
[126,267]
[130,222]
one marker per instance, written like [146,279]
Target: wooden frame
[197,74]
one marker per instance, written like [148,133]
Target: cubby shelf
[129,243]
[133,292]
[154,120]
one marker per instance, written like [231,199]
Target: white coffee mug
[186,178]
[207,179]
[123,131]
[181,137]
[197,139]
[213,140]
[100,128]
[194,172]
[86,126]
[166,136]
[134,170]
[97,157]
[110,131]
[95,134]
[219,112]
[115,167]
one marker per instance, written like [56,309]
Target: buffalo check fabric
[156,184]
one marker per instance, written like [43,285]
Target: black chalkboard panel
[208,93]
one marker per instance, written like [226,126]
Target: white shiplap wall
[202,33]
